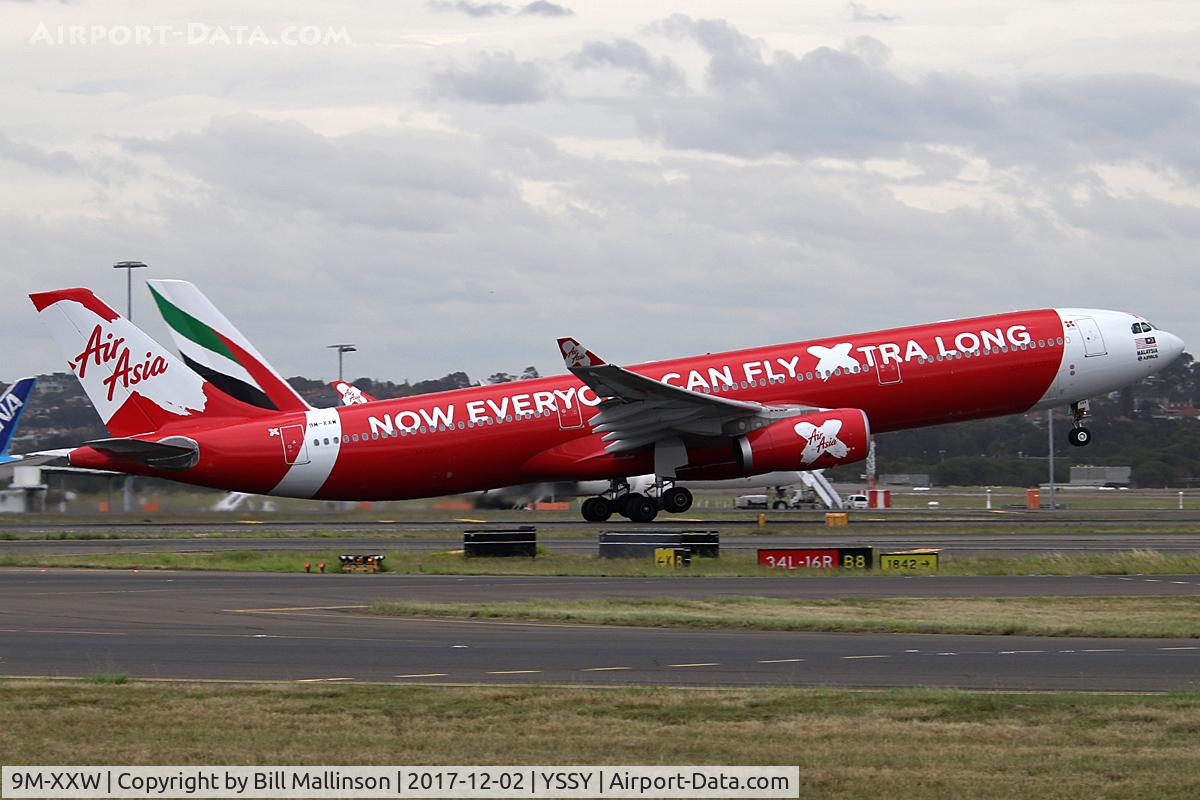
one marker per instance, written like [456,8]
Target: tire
[625,503]
[596,509]
[642,509]
[676,500]
[1079,437]
[779,505]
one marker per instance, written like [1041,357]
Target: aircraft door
[570,416]
[1093,341]
[295,449]
[888,373]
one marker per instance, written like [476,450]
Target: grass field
[910,744]
[1136,562]
[1161,617]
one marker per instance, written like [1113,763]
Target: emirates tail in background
[137,386]
[215,349]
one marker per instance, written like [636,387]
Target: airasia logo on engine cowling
[102,349]
[821,439]
[812,441]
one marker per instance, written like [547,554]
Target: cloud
[469,8]
[542,8]
[495,79]
[329,197]
[628,54]
[849,102]
[860,13]
[56,161]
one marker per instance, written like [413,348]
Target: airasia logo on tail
[102,349]
[821,440]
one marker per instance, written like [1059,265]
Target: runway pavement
[228,626]
[171,539]
[963,543]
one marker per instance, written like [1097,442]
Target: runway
[226,626]
[962,543]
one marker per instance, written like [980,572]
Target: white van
[751,501]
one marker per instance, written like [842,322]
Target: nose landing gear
[1079,436]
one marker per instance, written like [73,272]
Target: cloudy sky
[452,184]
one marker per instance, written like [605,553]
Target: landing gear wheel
[641,509]
[779,505]
[596,509]
[676,500]
[626,501]
[1079,437]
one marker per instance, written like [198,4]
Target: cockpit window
[1142,327]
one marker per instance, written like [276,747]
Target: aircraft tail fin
[12,403]
[214,348]
[350,394]
[136,385]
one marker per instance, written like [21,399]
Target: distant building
[906,479]
[1100,476]
[1179,409]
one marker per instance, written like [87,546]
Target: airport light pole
[1050,431]
[341,350]
[129,267]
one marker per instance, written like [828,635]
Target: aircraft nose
[1170,345]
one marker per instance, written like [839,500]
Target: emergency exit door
[569,414]
[295,450]
[1093,341]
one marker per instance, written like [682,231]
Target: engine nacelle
[812,441]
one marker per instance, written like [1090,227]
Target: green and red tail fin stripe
[211,345]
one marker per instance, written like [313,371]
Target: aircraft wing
[637,411]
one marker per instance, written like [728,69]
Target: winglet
[350,394]
[576,355]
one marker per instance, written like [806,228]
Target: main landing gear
[1079,436]
[635,506]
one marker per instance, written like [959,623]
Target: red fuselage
[536,430]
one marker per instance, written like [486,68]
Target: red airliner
[805,405]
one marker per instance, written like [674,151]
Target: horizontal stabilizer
[174,452]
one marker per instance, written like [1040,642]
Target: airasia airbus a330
[799,406]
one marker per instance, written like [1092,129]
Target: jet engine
[813,441]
